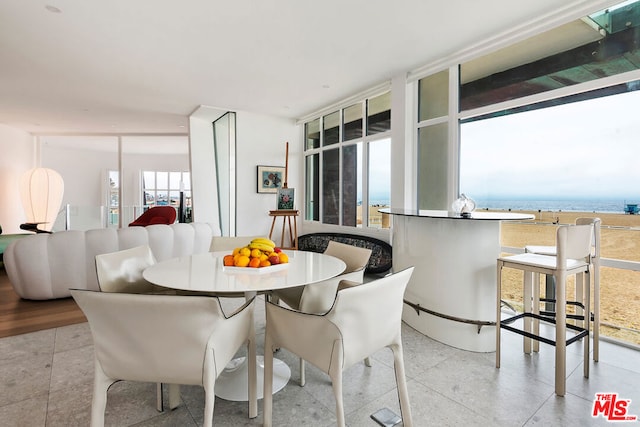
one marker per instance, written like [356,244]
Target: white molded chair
[122,272]
[178,340]
[363,320]
[317,298]
[573,244]
[594,259]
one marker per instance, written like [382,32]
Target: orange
[245,251]
[228,260]
[265,263]
[242,261]
[284,258]
[255,262]
[236,251]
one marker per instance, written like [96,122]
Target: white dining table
[206,273]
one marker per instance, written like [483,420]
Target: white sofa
[46,266]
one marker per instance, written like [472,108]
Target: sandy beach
[620,289]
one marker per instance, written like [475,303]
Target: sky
[588,149]
[379,171]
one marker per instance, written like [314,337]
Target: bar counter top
[475,215]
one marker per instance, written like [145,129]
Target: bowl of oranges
[261,254]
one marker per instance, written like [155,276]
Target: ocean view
[583,205]
[609,206]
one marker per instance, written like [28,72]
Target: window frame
[364,140]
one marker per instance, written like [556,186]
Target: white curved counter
[451,296]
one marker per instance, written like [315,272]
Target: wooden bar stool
[286,215]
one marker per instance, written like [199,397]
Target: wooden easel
[286,214]
[286,219]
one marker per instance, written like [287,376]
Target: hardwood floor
[18,316]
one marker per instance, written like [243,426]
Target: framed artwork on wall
[270,179]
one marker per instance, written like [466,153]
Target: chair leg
[528,324]
[403,392]
[253,377]
[174,396]
[587,322]
[267,402]
[561,333]
[536,310]
[596,311]
[159,400]
[336,384]
[498,311]
[101,384]
[303,377]
[209,402]
[367,362]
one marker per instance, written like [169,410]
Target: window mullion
[340,166]
[321,172]
[364,207]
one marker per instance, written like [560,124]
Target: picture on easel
[285,198]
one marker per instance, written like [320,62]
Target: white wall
[17,155]
[261,140]
[83,172]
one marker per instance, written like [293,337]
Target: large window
[578,156]
[555,131]
[550,126]
[347,164]
[165,189]
[114,199]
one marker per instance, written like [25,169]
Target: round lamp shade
[41,190]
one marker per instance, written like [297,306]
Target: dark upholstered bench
[379,262]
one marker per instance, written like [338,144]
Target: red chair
[156,215]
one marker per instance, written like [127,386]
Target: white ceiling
[142,66]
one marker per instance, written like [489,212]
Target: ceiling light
[52,9]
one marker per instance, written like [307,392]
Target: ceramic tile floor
[46,380]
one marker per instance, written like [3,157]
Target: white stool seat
[546,262]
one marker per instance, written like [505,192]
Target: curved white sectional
[46,266]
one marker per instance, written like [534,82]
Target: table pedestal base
[233,381]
